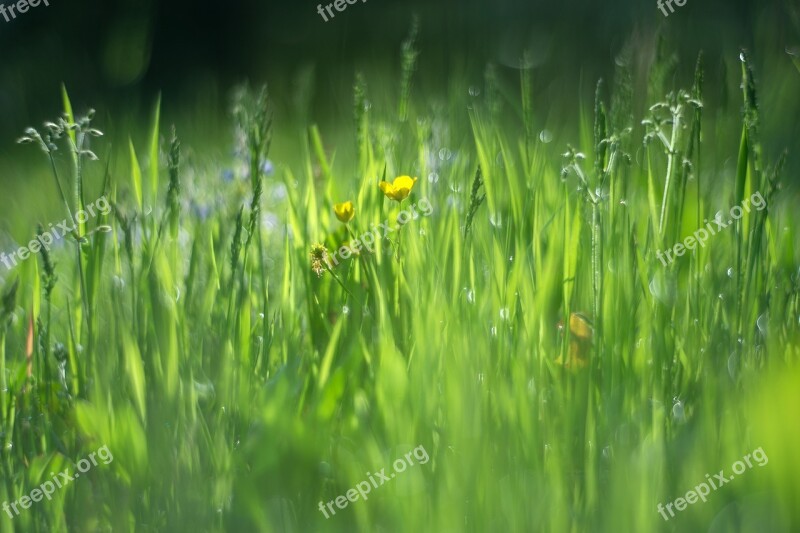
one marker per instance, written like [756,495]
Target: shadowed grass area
[236,388]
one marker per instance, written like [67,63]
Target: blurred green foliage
[236,389]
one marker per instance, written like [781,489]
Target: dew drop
[504,313]
[678,411]
[433,177]
[662,289]
[474,91]
[470,295]
[445,154]
[730,272]
[545,136]
[345,310]
[608,453]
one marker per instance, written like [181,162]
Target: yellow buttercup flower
[344,211]
[399,189]
[581,331]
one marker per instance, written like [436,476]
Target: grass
[237,389]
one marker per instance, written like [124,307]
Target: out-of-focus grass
[236,389]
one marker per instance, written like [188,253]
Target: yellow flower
[344,211]
[581,332]
[400,189]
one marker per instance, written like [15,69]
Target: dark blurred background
[117,56]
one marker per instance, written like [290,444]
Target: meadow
[558,375]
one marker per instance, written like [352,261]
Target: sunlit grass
[236,388]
